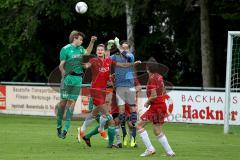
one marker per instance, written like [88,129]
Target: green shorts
[71,87]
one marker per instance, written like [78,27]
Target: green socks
[60,112]
[90,105]
[94,131]
[111,135]
[69,114]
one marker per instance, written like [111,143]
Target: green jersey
[73,57]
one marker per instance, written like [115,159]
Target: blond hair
[75,34]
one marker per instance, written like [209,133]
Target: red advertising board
[2,97]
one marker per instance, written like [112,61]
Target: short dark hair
[152,66]
[75,34]
[125,42]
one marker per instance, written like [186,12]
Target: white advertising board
[203,107]
[32,100]
[188,106]
[200,107]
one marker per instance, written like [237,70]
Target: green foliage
[17,39]
[32,33]
[172,37]
[104,8]
[228,10]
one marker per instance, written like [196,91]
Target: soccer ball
[81,7]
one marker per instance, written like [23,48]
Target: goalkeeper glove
[116,41]
[110,44]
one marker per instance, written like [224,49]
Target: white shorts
[126,95]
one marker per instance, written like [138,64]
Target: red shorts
[115,108]
[98,96]
[156,113]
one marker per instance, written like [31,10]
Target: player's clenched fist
[93,38]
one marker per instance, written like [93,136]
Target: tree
[18,45]
[131,9]
[130,25]
[32,33]
[206,47]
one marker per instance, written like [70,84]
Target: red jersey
[100,72]
[155,82]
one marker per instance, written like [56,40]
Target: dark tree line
[32,33]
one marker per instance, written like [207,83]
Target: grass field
[27,137]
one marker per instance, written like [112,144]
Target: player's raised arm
[90,46]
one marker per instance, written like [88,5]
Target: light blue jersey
[124,77]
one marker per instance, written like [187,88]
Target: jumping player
[71,71]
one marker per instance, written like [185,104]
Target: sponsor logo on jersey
[77,56]
[104,69]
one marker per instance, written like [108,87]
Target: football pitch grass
[34,138]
